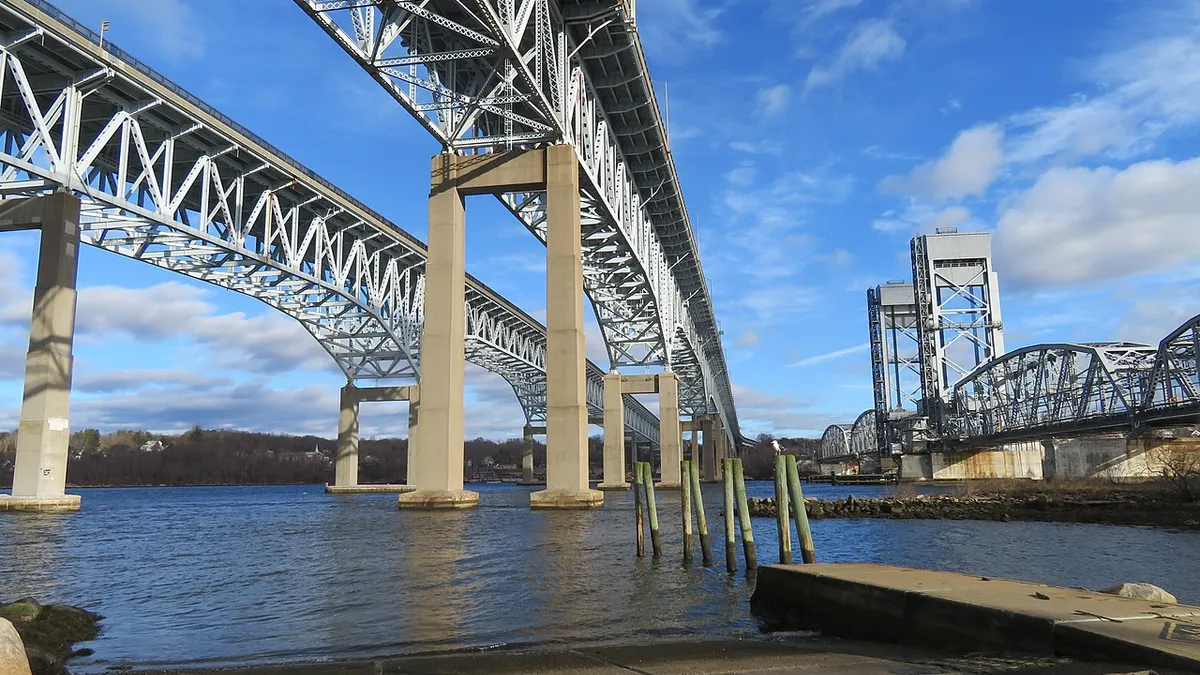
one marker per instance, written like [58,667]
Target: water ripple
[225,575]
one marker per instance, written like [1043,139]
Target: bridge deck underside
[512,74]
[168,180]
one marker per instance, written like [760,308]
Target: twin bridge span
[99,149]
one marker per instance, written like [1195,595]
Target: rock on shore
[1117,509]
[49,632]
[12,651]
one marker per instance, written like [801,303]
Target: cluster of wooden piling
[787,480]
[695,523]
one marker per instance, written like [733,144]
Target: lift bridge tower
[928,335]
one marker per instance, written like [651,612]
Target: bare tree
[1179,470]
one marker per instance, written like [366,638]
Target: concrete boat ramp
[964,613]
[776,655]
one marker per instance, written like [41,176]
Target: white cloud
[672,28]
[967,168]
[951,217]
[870,44]
[773,303]
[765,147]
[269,343]
[829,356]
[773,101]
[784,414]
[747,339]
[838,258]
[919,216]
[817,9]
[172,25]
[1145,90]
[1079,224]
[763,235]
[1152,319]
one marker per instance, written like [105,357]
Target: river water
[231,575]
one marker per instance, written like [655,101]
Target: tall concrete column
[527,456]
[414,425]
[709,450]
[566,383]
[671,451]
[722,447]
[439,460]
[614,434]
[345,461]
[40,475]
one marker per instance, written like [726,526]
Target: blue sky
[814,138]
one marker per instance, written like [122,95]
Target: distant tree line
[223,457]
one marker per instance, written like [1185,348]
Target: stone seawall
[1116,509]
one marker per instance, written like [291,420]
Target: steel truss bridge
[485,76]
[168,180]
[1060,389]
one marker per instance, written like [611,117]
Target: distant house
[153,446]
[314,455]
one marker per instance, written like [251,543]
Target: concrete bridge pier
[439,460]
[566,374]
[722,443]
[670,435]
[40,476]
[527,456]
[614,434]
[437,472]
[345,459]
[708,451]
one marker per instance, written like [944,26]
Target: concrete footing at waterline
[63,504]
[616,487]
[369,489]
[566,499]
[966,613]
[439,499]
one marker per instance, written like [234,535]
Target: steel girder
[493,75]
[835,442]
[167,180]
[1175,382]
[1044,388]
[864,435]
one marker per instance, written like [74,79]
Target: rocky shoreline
[1110,509]
[49,633]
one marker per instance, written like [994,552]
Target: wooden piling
[685,470]
[730,535]
[781,511]
[652,507]
[799,512]
[701,520]
[638,509]
[743,508]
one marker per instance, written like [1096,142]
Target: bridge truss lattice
[168,180]
[497,75]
